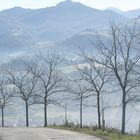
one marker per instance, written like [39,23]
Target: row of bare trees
[112,67]
[34,82]
[117,60]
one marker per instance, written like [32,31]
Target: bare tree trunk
[81,113]
[45,113]
[27,115]
[123,114]
[98,110]
[2,113]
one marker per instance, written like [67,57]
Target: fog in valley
[70,63]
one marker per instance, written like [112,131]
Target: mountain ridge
[53,24]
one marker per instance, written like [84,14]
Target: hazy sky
[100,4]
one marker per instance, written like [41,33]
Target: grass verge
[105,135]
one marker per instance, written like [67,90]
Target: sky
[99,4]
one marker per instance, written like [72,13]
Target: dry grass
[109,134]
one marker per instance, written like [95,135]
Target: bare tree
[45,69]
[97,77]
[119,55]
[79,92]
[5,97]
[25,84]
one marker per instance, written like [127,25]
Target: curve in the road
[41,134]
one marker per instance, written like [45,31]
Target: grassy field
[99,133]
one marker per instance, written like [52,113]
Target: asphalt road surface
[41,134]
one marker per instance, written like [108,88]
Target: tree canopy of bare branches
[50,78]
[97,77]
[5,97]
[119,55]
[24,83]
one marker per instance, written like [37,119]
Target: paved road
[41,134]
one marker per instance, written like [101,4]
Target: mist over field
[65,30]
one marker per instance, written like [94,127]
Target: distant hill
[132,13]
[129,14]
[116,10]
[25,28]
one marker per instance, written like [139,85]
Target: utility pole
[103,119]
[66,115]
[139,129]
